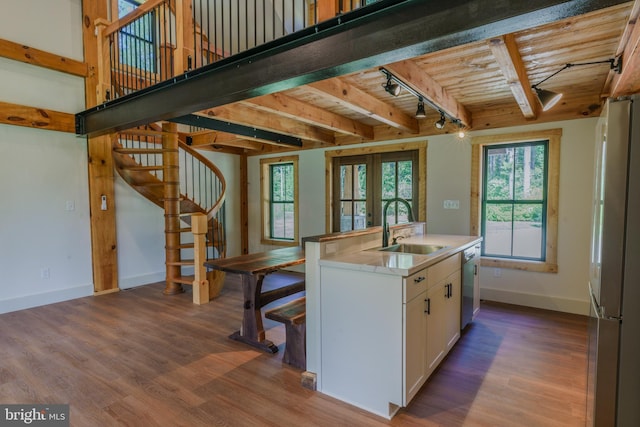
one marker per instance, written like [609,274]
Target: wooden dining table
[253,268]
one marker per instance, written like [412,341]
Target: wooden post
[171,180]
[184,36]
[104,62]
[327,9]
[104,254]
[200,282]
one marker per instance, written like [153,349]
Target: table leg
[252,329]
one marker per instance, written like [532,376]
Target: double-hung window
[279,190]
[516,197]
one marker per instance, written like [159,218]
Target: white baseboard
[565,305]
[145,279]
[49,297]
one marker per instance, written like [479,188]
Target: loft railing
[164,38]
[201,182]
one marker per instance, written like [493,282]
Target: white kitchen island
[379,323]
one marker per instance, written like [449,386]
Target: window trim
[265,197]
[420,146]
[550,265]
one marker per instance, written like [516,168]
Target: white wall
[449,178]
[311,205]
[566,290]
[41,170]
[44,215]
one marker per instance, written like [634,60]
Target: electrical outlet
[45,273]
[70,205]
[497,272]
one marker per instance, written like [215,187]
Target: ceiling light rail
[549,98]
[394,86]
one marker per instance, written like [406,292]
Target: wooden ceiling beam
[358,100]
[210,137]
[507,55]
[287,106]
[243,115]
[415,77]
[39,118]
[628,81]
[29,55]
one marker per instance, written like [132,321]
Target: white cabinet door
[476,286]
[415,348]
[436,324]
[453,305]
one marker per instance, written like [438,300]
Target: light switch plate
[452,204]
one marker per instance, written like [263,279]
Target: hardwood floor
[138,358]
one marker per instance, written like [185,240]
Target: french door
[364,183]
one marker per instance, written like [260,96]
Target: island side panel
[312,291]
[361,344]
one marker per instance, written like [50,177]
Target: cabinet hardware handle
[449,293]
[419,279]
[428,301]
[475,269]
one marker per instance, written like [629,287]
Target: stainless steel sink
[412,248]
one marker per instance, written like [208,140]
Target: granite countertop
[402,264]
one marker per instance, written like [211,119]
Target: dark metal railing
[164,38]
[141,48]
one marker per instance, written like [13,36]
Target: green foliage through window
[514,201]
[397,181]
[282,201]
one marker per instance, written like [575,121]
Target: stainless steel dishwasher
[470,260]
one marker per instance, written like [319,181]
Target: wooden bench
[293,315]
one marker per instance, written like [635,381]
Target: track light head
[420,113]
[461,133]
[547,98]
[392,88]
[440,123]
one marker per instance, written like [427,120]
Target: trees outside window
[279,192]
[514,199]
[362,184]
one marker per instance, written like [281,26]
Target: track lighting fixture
[394,85]
[420,113]
[391,87]
[549,98]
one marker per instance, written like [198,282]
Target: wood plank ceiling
[486,84]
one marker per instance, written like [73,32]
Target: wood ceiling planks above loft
[485,83]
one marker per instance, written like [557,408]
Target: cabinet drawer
[414,285]
[441,270]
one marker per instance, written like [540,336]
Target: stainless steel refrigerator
[613,390]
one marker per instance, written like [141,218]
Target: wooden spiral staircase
[180,180]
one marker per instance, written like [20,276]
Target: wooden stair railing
[143,163]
